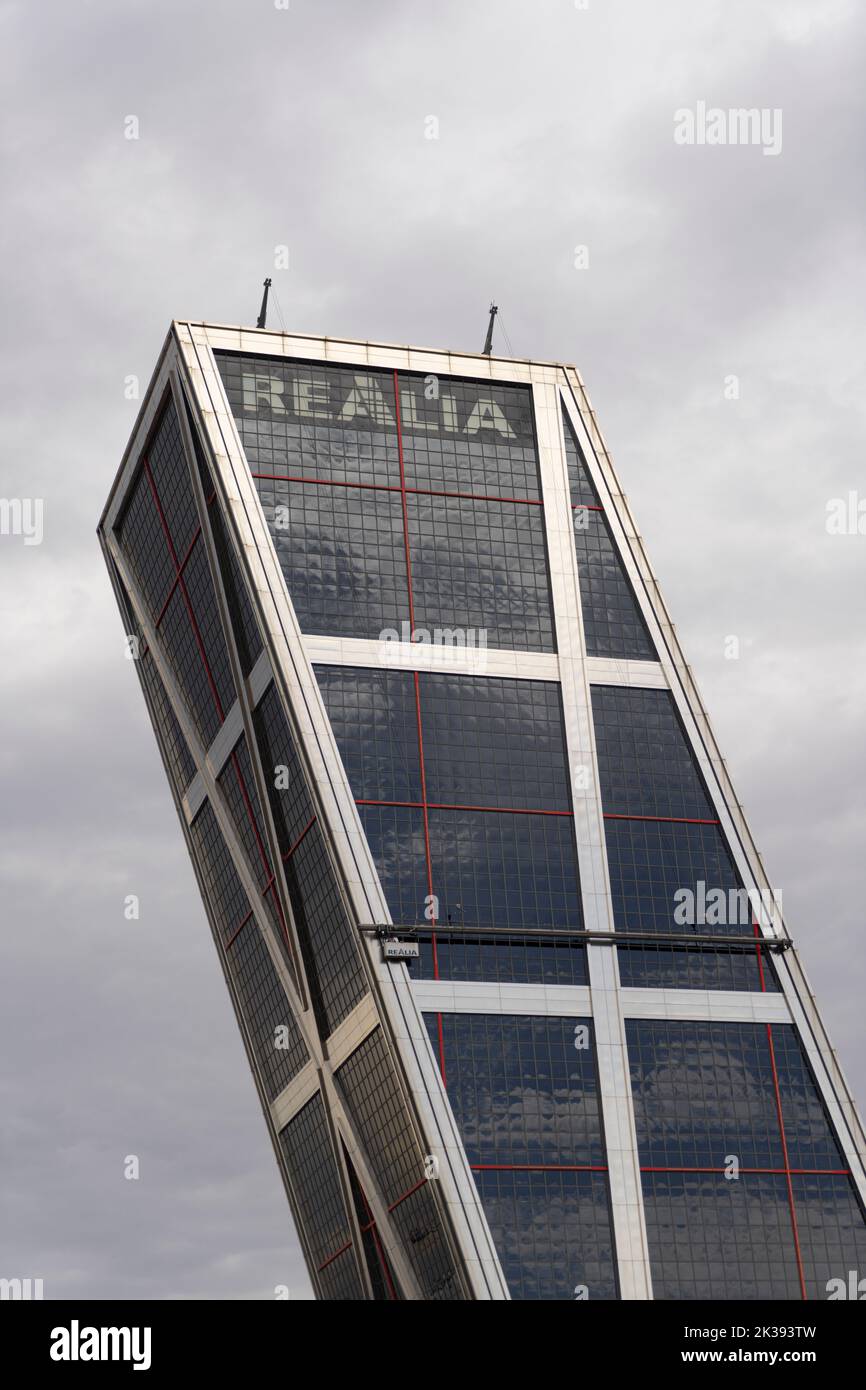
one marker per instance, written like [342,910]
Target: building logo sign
[423,409]
[392,949]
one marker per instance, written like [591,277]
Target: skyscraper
[517,996]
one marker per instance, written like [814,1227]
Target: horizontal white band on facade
[567,1001]
[646,675]
[478,997]
[710,1005]
[432,655]
[423,655]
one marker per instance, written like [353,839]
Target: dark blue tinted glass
[273,1033]
[663,967]
[381,1277]
[396,839]
[166,459]
[728,1103]
[832,1235]
[487,741]
[480,567]
[468,436]
[703,1091]
[711,1239]
[373,715]
[275,1036]
[174,746]
[808,1131]
[340,1280]
[494,742]
[645,764]
[327,938]
[525,1096]
[343,556]
[309,420]
[228,900]
[237,786]
[207,628]
[669,877]
[508,959]
[184,657]
[179,758]
[371,1090]
[244,626]
[495,869]
[677,877]
[552,1233]
[143,542]
[318,1199]
[287,789]
[395,835]
[523,1090]
[612,621]
[328,943]
[580,485]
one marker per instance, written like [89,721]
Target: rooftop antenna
[488,341]
[263,312]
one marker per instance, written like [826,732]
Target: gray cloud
[258,128]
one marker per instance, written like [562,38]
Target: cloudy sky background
[261,127]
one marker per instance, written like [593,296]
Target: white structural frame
[396,1003]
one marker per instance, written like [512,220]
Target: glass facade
[412,510]
[393,498]
[315,1180]
[671,870]
[272,1029]
[161,538]
[612,621]
[163,541]
[370,1087]
[462,786]
[746,1190]
[525,1095]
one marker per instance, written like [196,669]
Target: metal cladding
[516,993]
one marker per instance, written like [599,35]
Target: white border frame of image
[565,380]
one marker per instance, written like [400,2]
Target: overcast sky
[260,127]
